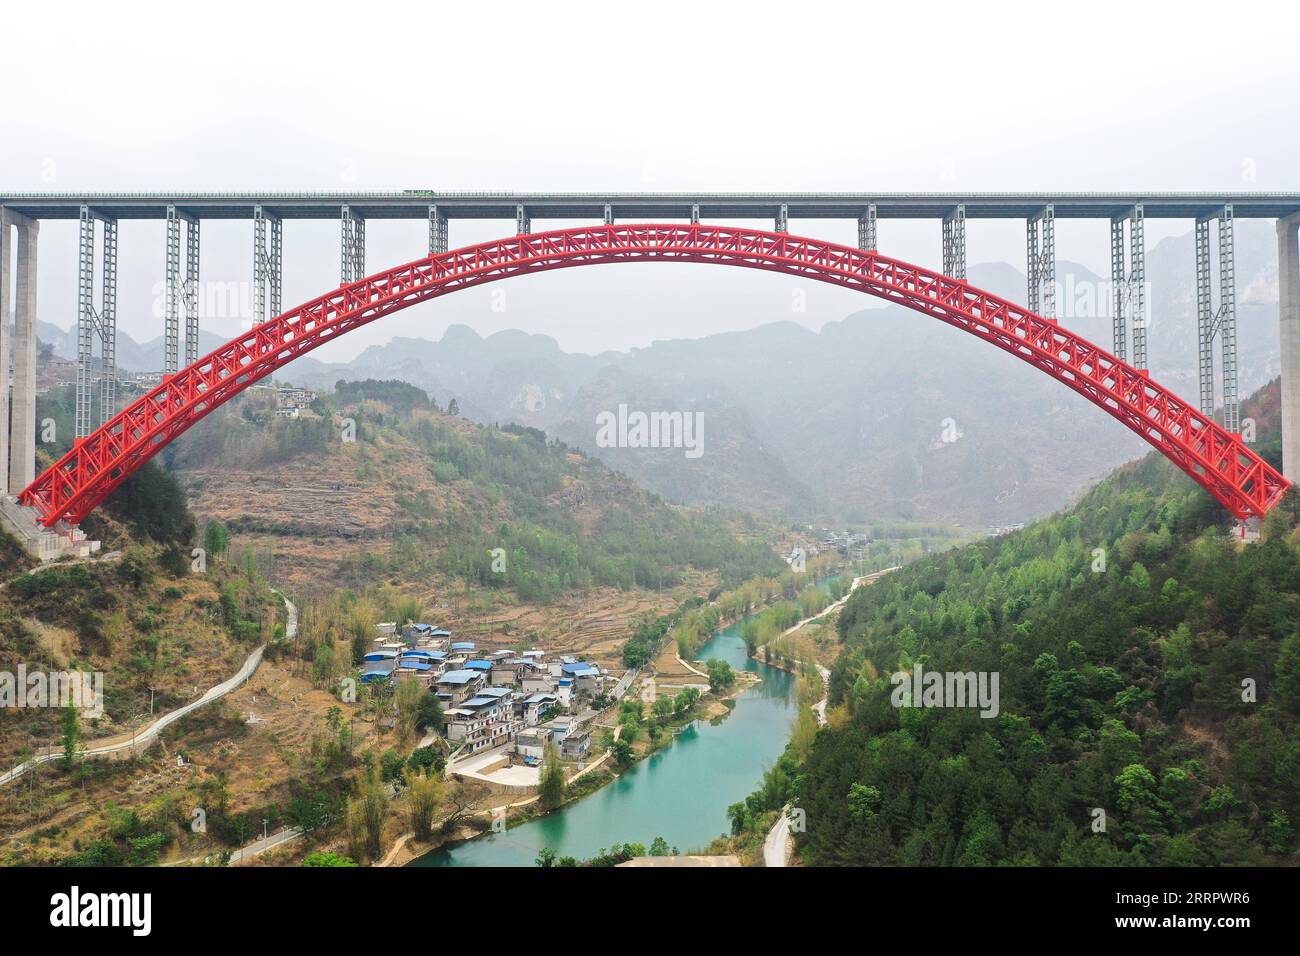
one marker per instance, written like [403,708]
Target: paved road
[776,847]
[279,838]
[148,734]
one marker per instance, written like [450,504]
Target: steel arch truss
[79,481]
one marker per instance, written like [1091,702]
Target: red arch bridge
[1217,459]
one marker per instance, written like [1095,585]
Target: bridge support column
[523,224]
[352,254]
[954,243]
[6,251]
[181,289]
[1220,322]
[695,214]
[267,263]
[867,237]
[1041,260]
[437,231]
[190,289]
[782,223]
[1288,267]
[1119,291]
[609,214]
[1204,318]
[1137,277]
[95,323]
[1228,322]
[1128,286]
[21,464]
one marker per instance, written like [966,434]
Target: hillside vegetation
[423,495]
[1149,694]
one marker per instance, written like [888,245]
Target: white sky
[629,96]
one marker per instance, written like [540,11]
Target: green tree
[71,733]
[216,539]
[422,801]
[551,786]
[325,858]
[721,676]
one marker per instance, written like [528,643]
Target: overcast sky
[624,96]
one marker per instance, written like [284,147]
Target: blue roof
[479,665]
[479,702]
[566,681]
[538,698]
[420,652]
[581,668]
[411,665]
[440,632]
[463,646]
[380,655]
[495,692]
[459,677]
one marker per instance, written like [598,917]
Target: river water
[680,793]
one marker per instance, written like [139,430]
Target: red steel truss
[79,481]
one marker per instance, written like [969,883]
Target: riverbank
[679,792]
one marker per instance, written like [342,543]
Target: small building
[386,628]
[576,745]
[535,706]
[456,686]
[484,721]
[380,670]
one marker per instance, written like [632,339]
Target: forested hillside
[416,494]
[1149,671]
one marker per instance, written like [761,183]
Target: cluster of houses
[518,700]
[290,402]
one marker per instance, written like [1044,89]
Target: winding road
[144,737]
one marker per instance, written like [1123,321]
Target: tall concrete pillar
[22,460]
[1288,268]
[6,247]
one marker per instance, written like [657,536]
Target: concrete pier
[1288,268]
[6,247]
[22,434]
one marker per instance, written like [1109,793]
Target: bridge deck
[650,207]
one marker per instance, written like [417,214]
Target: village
[501,708]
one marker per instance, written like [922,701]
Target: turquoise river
[680,793]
